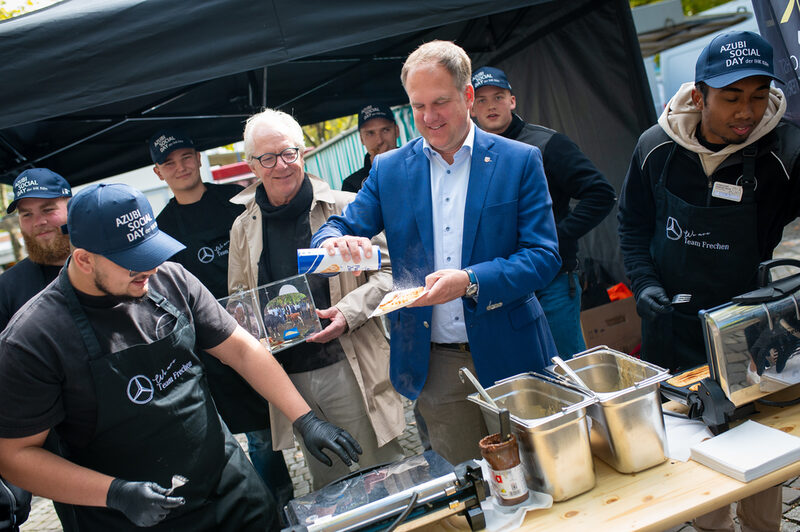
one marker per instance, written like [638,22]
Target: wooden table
[658,498]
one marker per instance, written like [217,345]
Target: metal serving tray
[627,421]
[549,421]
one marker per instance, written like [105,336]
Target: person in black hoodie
[570,175]
[707,195]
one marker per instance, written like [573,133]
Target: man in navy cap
[200,217]
[379,132]
[707,195]
[570,176]
[115,373]
[40,198]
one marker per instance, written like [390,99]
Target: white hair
[274,120]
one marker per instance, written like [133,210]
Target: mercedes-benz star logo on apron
[140,390]
[205,255]
[674,231]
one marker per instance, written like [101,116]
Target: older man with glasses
[342,371]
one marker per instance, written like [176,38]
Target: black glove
[653,301]
[144,503]
[778,339]
[318,435]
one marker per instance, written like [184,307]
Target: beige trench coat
[364,344]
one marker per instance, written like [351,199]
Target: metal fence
[336,159]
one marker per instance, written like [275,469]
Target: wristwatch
[472,287]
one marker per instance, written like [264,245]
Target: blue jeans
[563,314]
[270,466]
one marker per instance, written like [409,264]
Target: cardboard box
[614,324]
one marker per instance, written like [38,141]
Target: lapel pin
[487,159]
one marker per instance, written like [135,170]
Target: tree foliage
[12,9]
[316,134]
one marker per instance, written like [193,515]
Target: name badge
[727,192]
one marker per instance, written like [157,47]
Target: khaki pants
[455,426]
[332,393]
[757,513]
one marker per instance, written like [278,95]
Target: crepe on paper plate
[398,299]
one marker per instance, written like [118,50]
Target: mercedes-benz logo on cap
[674,231]
[205,254]
[140,390]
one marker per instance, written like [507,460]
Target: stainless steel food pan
[549,421]
[627,422]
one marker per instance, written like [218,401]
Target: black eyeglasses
[269,160]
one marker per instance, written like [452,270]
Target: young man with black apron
[200,217]
[707,195]
[116,374]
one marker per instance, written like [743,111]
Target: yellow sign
[788,11]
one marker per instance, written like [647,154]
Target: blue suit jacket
[509,241]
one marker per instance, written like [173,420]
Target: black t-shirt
[45,380]
[204,228]
[20,283]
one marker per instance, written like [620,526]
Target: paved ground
[43,517]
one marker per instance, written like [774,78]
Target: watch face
[472,289]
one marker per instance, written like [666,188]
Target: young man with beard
[40,196]
[106,356]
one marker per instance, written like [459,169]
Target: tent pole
[264,90]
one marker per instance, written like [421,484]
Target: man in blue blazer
[474,209]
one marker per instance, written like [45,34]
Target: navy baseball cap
[165,142]
[39,183]
[117,222]
[732,56]
[490,76]
[371,111]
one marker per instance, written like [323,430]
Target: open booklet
[280,314]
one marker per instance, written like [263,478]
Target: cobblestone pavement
[43,517]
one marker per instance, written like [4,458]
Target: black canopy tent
[86,82]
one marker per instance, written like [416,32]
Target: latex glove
[652,302]
[318,435]
[773,347]
[144,503]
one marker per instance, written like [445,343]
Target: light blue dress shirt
[449,194]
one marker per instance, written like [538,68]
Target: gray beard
[55,252]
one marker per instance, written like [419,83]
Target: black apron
[206,256]
[708,252]
[155,419]
[206,253]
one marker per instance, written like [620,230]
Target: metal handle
[464,372]
[569,371]
[651,380]
[764,268]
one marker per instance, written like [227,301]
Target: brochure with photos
[280,314]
